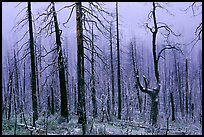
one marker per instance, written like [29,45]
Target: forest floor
[55,126]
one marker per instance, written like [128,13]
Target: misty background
[132,17]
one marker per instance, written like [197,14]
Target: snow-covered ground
[55,126]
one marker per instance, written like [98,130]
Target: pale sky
[132,16]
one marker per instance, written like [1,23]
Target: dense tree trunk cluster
[105,75]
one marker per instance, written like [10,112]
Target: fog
[144,78]
[132,17]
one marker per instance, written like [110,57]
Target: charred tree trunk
[63,92]
[80,68]
[16,76]
[75,94]
[165,84]
[154,108]
[48,105]
[93,90]
[108,101]
[172,106]
[33,70]
[112,72]
[118,57]
[153,93]
[24,85]
[135,74]
[38,78]
[10,87]
[52,102]
[179,91]
[186,87]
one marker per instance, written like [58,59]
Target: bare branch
[149,27]
[24,56]
[168,47]
[70,15]
[49,52]
[74,4]
[145,90]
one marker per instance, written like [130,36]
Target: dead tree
[93,90]
[50,25]
[112,71]
[135,73]
[80,68]
[33,69]
[153,92]
[10,88]
[187,88]
[118,57]
[58,32]
[85,16]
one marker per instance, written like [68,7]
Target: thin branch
[70,15]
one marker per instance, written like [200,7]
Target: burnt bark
[93,89]
[172,107]
[179,91]
[135,75]
[10,88]
[52,102]
[80,68]
[187,87]
[63,92]
[112,72]
[153,93]
[118,57]
[33,69]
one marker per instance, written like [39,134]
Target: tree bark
[112,72]
[186,87]
[118,57]
[10,87]
[52,102]
[64,109]
[154,108]
[135,74]
[179,91]
[172,106]
[80,68]
[33,70]
[153,93]
[93,90]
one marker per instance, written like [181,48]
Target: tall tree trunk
[16,76]
[153,93]
[154,108]
[172,106]
[93,90]
[135,75]
[37,77]
[154,96]
[80,68]
[165,87]
[118,57]
[33,70]
[112,72]
[24,85]
[15,109]
[186,87]
[52,102]
[179,91]
[75,95]
[10,87]
[108,101]
[63,92]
